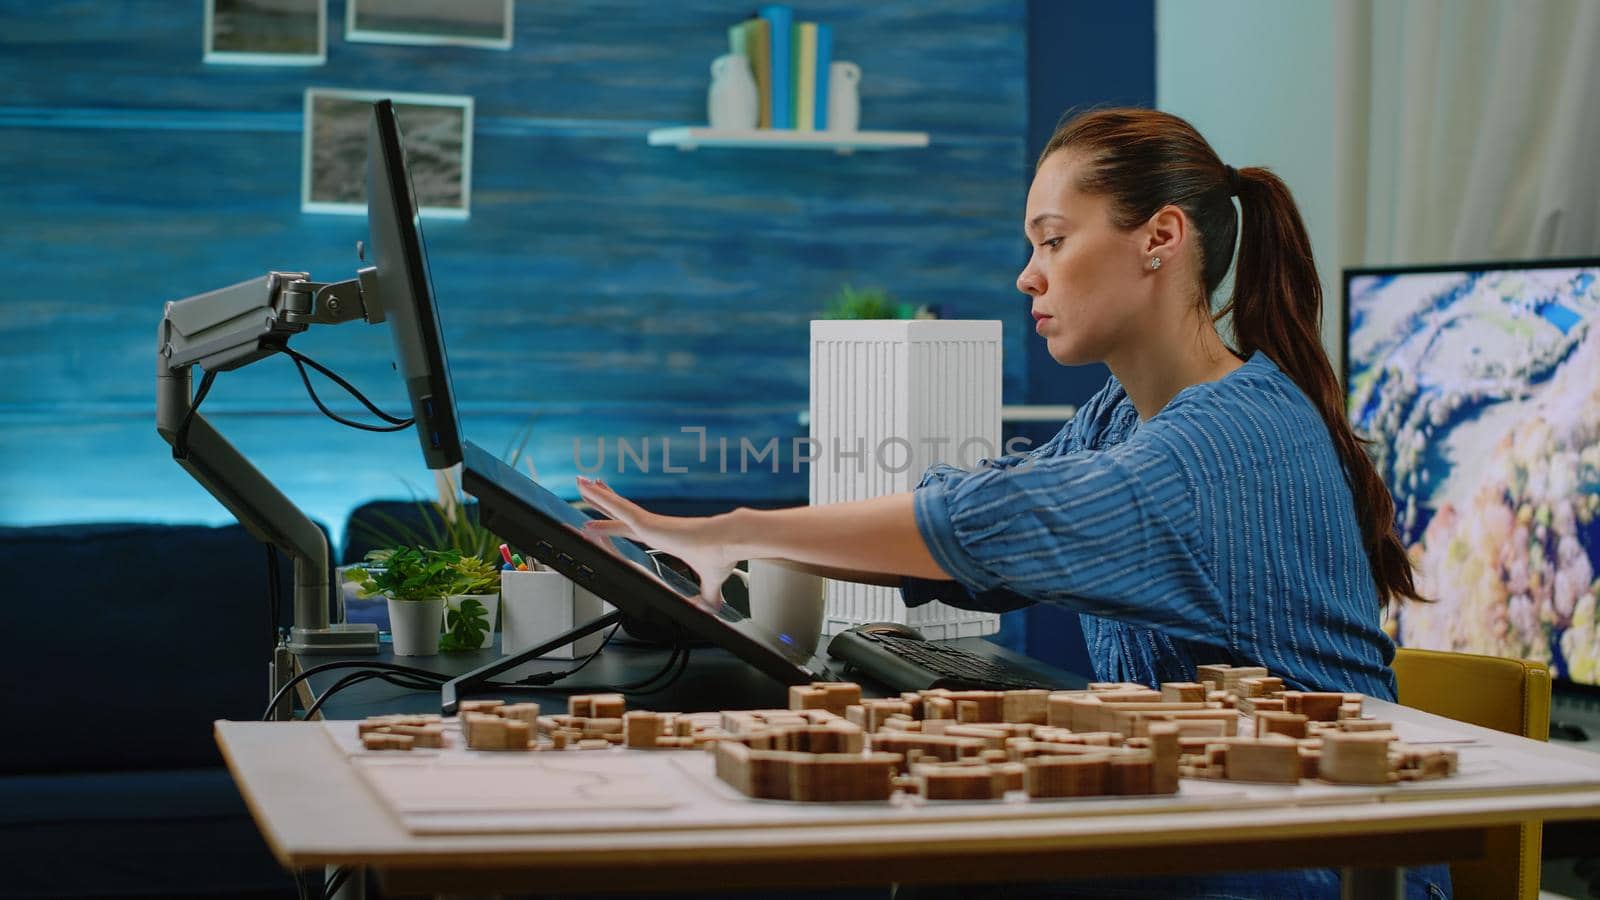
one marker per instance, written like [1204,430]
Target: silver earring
[1155,263]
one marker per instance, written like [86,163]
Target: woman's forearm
[868,536]
[860,576]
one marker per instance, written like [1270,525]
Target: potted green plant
[868,303]
[447,523]
[472,606]
[872,303]
[415,583]
[444,523]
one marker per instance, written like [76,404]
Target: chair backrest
[1509,695]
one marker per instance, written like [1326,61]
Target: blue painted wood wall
[601,287]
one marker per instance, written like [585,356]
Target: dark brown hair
[1142,160]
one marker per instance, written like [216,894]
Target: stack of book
[790,62]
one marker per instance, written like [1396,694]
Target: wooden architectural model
[833,745]
[402,732]
[592,722]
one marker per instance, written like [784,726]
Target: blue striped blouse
[1220,530]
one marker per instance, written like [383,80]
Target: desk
[314,811]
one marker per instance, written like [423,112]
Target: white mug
[785,603]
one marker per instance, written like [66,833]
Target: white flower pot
[491,603]
[416,625]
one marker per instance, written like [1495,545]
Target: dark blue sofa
[127,642]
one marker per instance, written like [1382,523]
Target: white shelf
[689,138]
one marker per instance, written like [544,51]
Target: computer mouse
[892,629]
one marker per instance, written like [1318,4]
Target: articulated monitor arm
[233,327]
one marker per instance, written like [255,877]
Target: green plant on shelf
[868,303]
[871,303]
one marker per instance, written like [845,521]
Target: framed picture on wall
[436,130]
[266,32]
[468,23]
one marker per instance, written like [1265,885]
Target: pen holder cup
[535,606]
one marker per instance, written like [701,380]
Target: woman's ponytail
[1276,308]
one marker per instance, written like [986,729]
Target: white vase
[416,625]
[844,96]
[732,102]
[491,603]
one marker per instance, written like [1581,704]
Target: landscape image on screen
[1481,393]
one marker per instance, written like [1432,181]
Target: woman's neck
[1156,370]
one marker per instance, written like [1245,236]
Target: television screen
[1479,386]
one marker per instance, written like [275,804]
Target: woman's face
[1088,279]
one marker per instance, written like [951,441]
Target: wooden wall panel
[607,287]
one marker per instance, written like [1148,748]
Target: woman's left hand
[692,539]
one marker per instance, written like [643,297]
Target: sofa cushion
[128,640]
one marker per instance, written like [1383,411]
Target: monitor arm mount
[233,327]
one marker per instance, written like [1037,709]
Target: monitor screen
[406,289]
[1479,386]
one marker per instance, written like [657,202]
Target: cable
[340,876]
[299,357]
[421,674]
[274,594]
[300,363]
[679,652]
[180,441]
[637,687]
[683,666]
[355,678]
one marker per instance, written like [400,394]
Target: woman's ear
[1166,232]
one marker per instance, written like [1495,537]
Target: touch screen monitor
[521,510]
[1479,386]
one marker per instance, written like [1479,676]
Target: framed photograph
[266,32]
[435,129]
[467,23]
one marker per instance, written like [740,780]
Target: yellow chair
[1510,695]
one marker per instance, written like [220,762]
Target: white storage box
[536,606]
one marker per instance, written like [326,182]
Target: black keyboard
[905,664]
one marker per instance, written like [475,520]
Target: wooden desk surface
[314,810]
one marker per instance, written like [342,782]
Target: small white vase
[416,625]
[491,603]
[732,101]
[844,96]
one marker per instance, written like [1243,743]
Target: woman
[1208,504]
